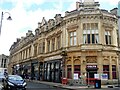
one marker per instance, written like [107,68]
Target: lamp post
[9,18]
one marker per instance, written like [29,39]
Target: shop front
[52,70]
[91,71]
[34,70]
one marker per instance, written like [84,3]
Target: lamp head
[9,18]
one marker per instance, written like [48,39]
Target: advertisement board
[75,76]
[104,76]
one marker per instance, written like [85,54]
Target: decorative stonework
[105,62]
[91,59]
[72,27]
[76,60]
[68,58]
[105,57]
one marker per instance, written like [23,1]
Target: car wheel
[24,89]
[6,88]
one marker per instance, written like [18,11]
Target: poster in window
[75,76]
[104,76]
[96,76]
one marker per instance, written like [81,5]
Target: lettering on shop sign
[91,66]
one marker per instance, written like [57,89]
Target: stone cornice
[72,27]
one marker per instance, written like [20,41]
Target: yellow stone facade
[88,35]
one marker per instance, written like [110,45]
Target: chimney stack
[77,5]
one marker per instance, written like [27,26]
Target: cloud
[109,2]
[24,20]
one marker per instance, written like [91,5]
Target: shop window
[45,71]
[69,72]
[77,69]
[106,70]
[113,71]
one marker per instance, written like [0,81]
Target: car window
[15,78]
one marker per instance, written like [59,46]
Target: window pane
[92,26]
[88,31]
[92,31]
[43,47]
[48,46]
[71,34]
[96,38]
[109,39]
[69,72]
[77,69]
[88,36]
[84,26]
[106,69]
[88,26]
[93,38]
[96,31]
[96,25]
[106,33]
[106,39]
[71,41]
[114,72]
[84,31]
[75,41]
[74,33]
[84,38]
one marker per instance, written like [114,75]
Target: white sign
[53,58]
[96,76]
[75,75]
[104,76]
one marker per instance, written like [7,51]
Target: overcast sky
[27,13]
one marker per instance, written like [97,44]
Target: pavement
[71,87]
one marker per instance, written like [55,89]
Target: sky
[27,13]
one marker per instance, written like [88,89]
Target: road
[38,86]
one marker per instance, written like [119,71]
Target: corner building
[83,42]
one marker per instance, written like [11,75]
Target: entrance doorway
[91,71]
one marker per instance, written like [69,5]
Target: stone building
[83,42]
[4,60]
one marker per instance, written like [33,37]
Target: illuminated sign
[91,66]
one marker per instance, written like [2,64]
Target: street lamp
[9,18]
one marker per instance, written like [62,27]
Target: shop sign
[91,66]
[53,58]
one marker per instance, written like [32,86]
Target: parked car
[2,77]
[3,73]
[14,82]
